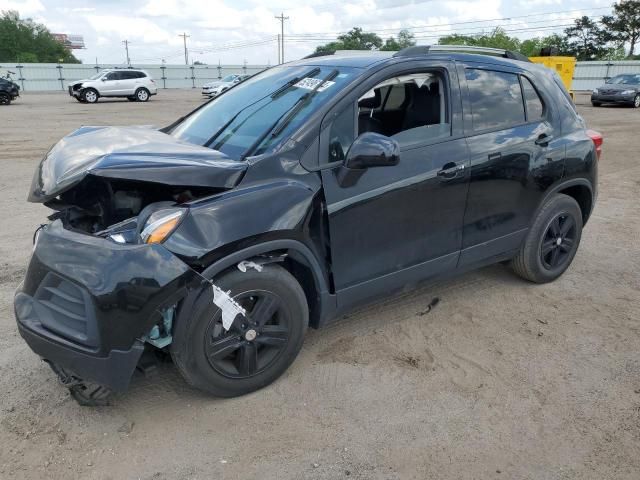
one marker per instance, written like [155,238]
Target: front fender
[275,209]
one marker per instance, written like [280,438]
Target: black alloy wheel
[551,242]
[558,241]
[252,343]
[258,347]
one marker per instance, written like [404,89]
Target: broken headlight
[161,224]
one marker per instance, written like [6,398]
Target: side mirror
[367,151]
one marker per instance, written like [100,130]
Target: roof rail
[427,49]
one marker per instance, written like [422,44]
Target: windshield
[233,122]
[229,78]
[626,79]
[96,76]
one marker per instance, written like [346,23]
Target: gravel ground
[502,379]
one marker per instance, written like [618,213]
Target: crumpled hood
[131,153]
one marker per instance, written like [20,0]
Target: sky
[232,32]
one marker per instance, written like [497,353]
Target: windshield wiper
[281,123]
[293,81]
[273,95]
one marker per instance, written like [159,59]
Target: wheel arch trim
[325,301]
[575,182]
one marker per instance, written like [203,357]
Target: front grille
[65,309]
[608,92]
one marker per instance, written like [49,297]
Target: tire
[90,95]
[5,98]
[142,95]
[552,241]
[255,351]
[636,101]
[596,104]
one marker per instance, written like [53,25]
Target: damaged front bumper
[87,303]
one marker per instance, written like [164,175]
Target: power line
[282,18]
[439,35]
[461,23]
[186,53]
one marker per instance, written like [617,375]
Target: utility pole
[282,18]
[126,47]
[186,54]
[279,51]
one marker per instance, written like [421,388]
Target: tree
[23,40]
[588,40]
[624,24]
[496,39]
[405,39]
[532,46]
[355,39]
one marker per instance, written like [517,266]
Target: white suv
[135,85]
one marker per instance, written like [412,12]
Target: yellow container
[565,67]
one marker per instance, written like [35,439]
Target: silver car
[216,88]
[133,84]
[623,89]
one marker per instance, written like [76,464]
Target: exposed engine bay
[98,203]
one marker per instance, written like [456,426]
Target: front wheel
[142,95]
[5,98]
[90,95]
[636,101]
[258,347]
[552,241]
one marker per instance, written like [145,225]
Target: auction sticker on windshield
[311,83]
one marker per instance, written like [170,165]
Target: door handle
[543,139]
[450,170]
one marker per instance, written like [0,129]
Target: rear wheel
[142,95]
[552,241]
[636,101]
[258,347]
[5,98]
[90,95]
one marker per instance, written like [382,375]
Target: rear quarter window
[535,108]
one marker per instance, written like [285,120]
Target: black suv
[9,90]
[309,189]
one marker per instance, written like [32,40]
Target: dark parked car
[309,189]
[9,90]
[624,89]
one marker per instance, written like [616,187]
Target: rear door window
[496,99]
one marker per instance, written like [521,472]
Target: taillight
[597,139]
